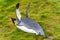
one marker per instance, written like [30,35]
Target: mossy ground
[45,12]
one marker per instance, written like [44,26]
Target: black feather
[17,5]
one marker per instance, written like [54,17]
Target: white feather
[25,29]
[18,14]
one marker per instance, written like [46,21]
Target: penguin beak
[13,19]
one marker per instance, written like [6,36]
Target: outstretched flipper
[27,9]
[18,12]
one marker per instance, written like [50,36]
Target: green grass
[45,12]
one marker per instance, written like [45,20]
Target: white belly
[23,28]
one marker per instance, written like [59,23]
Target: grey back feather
[30,24]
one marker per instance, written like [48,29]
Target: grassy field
[45,12]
